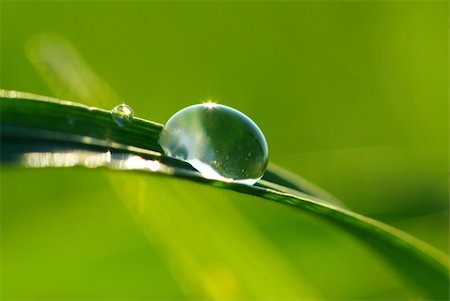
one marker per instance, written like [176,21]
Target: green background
[350,95]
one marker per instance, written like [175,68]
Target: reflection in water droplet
[219,141]
[122,114]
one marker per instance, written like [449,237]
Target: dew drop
[122,114]
[220,142]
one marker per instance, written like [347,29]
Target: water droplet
[122,114]
[217,140]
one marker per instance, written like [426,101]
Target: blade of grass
[425,266]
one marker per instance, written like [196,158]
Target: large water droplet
[219,141]
[122,114]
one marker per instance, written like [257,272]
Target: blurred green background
[350,95]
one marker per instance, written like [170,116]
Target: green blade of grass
[62,122]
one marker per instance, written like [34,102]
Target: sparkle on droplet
[220,142]
[122,114]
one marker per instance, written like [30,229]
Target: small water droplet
[217,140]
[122,114]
